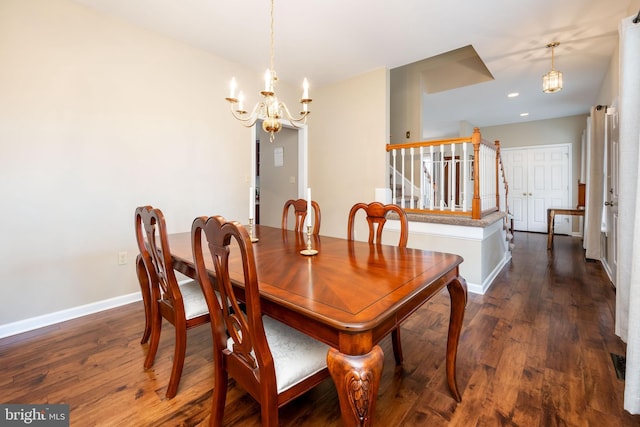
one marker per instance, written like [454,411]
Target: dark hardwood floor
[535,351]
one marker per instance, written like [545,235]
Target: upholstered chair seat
[296,356]
[193,299]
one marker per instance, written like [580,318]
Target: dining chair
[182,305]
[273,362]
[300,214]
[145,290]
[376,214]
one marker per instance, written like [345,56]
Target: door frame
[303,158]
[609,239]
[570,191]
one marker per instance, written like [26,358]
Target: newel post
[476,207]
[497,144]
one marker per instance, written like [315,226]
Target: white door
[610,255]
[538,179]
[515,162]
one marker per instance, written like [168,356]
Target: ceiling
[332,40]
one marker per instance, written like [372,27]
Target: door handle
[609,204]
[524,194]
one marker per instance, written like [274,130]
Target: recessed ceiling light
[513,94]
[524,114]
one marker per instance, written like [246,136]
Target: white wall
[348,131]
[564,130]
[483,249]
[610,88]
[96,118]
[406,105]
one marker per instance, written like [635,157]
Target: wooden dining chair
[273,362]
[300,214]
[182,305]
[145,290]
[376,214]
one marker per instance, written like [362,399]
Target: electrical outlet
[122,258]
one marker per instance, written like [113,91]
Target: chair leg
[178,359]
[143,279]
[269,411]
[220,383]
[397,345]
[156,328]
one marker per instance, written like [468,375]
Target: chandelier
[552,81]
[270,110]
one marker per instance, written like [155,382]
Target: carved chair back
[376,214]
[245,341]
[300,214]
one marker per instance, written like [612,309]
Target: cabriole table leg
[458,293]
[357,379]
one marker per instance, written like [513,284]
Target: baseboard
[474,288]
[486,284]
[64,315]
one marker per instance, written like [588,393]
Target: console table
[552,212]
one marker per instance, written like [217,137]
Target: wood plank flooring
[535,351]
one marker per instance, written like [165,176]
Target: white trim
[447,230]
[383,195]
[486,284]
[303,156]
[32,323]
[461,233]
[529,147]
[562,227]
[607,269]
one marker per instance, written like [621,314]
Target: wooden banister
[450,178]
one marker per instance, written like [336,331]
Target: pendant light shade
[552,81]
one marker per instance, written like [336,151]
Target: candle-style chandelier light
[270,110]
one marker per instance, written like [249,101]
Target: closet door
[515,162]
[538,179]
[548,170]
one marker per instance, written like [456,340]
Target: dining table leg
[458,293]
[357,379]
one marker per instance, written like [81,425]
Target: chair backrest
[300,214]
[250,348]
[376,218]
[151,235]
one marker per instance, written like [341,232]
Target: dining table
[349,295]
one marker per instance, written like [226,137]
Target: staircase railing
[458,176]
[503,193]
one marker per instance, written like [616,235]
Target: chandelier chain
[272,38]
[270,110]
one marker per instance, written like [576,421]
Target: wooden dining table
[349,295]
